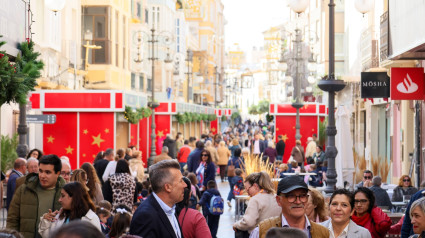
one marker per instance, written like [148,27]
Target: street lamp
[331,85]
[152,104]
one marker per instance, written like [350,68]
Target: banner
[375,85]
[407,83]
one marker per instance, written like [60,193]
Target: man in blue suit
[156,217]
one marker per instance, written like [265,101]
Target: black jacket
[280,147]
[149,220]
[172,149]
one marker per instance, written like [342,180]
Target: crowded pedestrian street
[212,118]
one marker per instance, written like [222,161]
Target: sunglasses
[367,177]
[204,155]
[406,180]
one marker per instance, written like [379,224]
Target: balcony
[385,37]
[369,49]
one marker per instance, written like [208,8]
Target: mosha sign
[407,83]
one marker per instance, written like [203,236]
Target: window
[96,21]
[141,82]
[149,84]
[133,81]
[117,38]
[146,16]
[124,42]
[139,11]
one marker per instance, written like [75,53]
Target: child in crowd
[135,206]
[103,215]
[211,206]
[106,205]
[237,187]
[121,222]
[196,193]
[283,168]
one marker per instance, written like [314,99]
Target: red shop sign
[407,83]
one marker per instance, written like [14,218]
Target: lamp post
[331,85]
[298,7]
[188,60]
[152,104]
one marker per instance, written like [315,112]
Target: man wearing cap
[292,195]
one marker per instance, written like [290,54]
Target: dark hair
[192,178]
[120,154]
[177,135]
[81,201]
[40,154]
[368,172]
[77,229]
[102,211]
[238,171]
[186,142]
[320,147]
[122,167]
[192,139]
[108,151]
[159,174]
[369,194]
[345,192]
[186,197]
[53,160]
[237,152]
[99,156]
[211,184]
[121,222]
[92,178]
[199,144]
[276,232]
[209,160]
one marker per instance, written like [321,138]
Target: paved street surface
[228,218]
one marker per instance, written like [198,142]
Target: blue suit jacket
[407,228]
[194,160]
[150,221]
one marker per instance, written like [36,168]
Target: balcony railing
[384,36]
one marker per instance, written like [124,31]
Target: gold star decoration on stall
[97,140]
[107,130]
[94,156]
[132,137]
[160,133]
[312,129]
[50,139]
[69,150]
[84,155]
[213,129]
[284,138]
[85,131]
[277,129]
[305,106]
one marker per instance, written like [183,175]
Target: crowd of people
[179,197]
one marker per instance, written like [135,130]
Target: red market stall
[285,118]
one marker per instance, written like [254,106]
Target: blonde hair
[263,180]
[298,142]
[319,201]
[222,143]
[235,142]
[80,175]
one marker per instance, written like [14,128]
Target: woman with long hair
[123,185]
[76,205]
[369,216]
[405,187]
[262,204]
[192,222]
[223,158]
[315,208]
[206,170]
[341,207]
[35,153]
[93,183]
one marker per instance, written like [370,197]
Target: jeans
[279,158]
[230,196]
[181,166]
[212,222]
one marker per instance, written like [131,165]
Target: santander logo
[407,86]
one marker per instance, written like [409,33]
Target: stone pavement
[225,229]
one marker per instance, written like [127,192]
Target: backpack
[238,188]
[216,206]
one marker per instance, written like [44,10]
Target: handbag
[231,170]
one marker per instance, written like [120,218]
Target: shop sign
[375,85]
[407,83]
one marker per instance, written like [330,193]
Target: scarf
[361,221]
[200,173]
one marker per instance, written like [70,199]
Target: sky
[247,19]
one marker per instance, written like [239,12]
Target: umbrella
[344,161]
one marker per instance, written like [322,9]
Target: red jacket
[378,223]
[183,154]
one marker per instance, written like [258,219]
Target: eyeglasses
[367,177]
[406,180]
[204,154]
[66,174]
[293,198]
[362,201]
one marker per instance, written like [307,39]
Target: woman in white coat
[76,205]
[341,206]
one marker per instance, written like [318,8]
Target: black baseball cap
[290,183]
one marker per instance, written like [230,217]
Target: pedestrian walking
[223,159]
[212,208]
[298,153]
